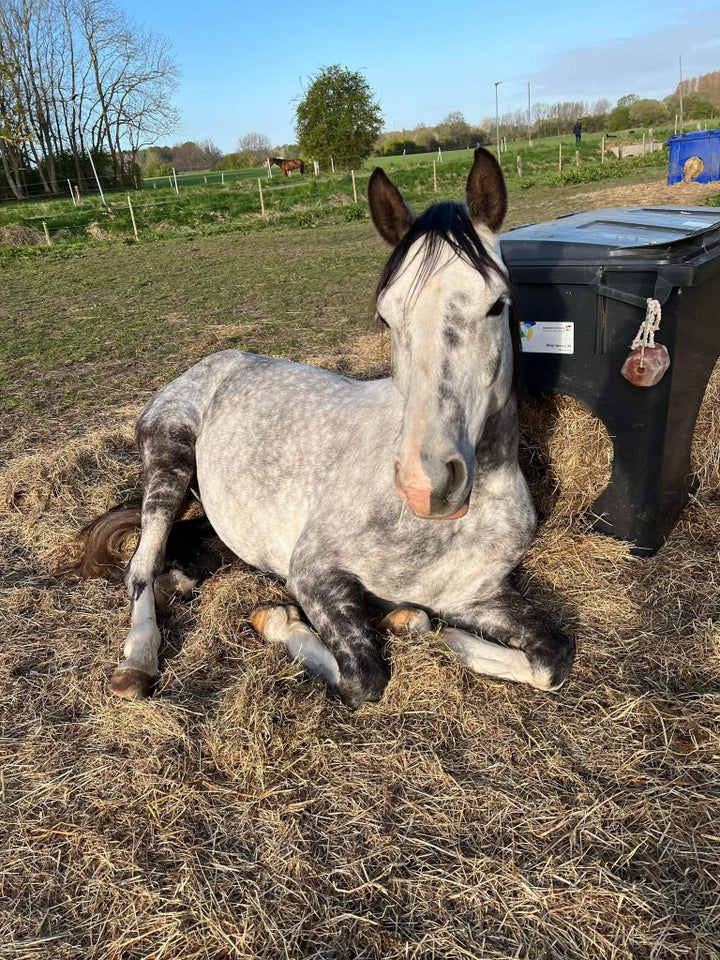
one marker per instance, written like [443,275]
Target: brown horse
[287,165]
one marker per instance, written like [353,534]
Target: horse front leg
[342,648]
[517,644]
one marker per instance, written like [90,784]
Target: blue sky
[243,64]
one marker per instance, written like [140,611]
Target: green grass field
[231,202]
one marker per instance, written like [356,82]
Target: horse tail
[99,549]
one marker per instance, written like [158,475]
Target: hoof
[368,689]
[405,618]
[171,586]
[131,683]
[268,620]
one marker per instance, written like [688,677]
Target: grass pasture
[242,814]
[247,201]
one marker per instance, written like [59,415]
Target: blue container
[702,146]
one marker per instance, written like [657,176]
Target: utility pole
[529,118]
[681,103]
[497,118]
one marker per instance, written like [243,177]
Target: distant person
[577,130]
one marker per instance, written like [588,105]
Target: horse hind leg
[404,619]
[192,562]
[168,451]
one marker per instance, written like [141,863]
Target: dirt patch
[653,194]
[541,206]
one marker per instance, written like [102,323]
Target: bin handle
[662,292]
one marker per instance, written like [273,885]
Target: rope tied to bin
[648,361]
[645,337]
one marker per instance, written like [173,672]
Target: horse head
[444,295]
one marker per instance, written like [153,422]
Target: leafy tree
[619,119]
[338,117]
[648,113]
[395,147]
[701,110]
[628,100]
[453,131]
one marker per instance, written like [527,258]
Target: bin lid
[693,135]
[653,234]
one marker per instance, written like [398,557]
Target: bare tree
[11,131]
[254,145]
[84,80]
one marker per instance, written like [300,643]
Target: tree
[453,131]
[338,117]
[701,110]
[619,119]
[194,156]
[253,148]
[628,100]
[648,113]
[11,132]
[84,81]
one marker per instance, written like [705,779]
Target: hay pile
[242,813]
[18,235]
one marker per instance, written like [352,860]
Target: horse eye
[497,308]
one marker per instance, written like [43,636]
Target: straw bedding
[242,813]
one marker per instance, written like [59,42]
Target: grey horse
[402,494]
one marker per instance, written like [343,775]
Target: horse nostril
[457,476]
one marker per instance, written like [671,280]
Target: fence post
[352,174]
[435,176]
[602,150]
[47,234]
[519,165]
[97,179]
[560,158]
[262,202]
[132,217]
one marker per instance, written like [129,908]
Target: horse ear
[486,192]
[390,214]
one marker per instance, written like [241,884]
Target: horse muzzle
[437,489]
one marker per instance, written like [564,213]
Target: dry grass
[17,235]
[242,813]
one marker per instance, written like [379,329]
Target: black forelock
[449,222]
[445,222]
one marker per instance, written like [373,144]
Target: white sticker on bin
[541,336]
